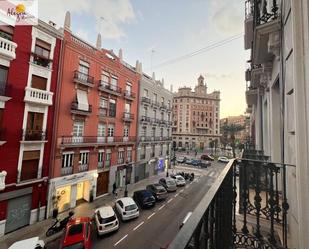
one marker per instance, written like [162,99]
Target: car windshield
[106,219]
[75,229]
[79,245]
[179,178]
[130,207]
[161,190]
[170,182]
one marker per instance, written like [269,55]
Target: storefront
[160,165]
[122,175]
[68,192]
[140,172]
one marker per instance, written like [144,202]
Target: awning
[82,100]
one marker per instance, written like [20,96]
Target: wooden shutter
[42,44]
[38,82]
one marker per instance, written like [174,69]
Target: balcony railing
[83,78]
[82,167]
[33,135]
[120,161]
[7,49]
[94,140]
[41,60]
[66,171]
[129,95]
[112,89]
[155,103]
[262,208]
[265,11]
[38,96]
[128,117]
[145,119]
[77,110]
[146,100]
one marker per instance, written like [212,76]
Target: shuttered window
[38,82]
[30,165]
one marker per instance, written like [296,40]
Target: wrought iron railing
[76,107]
[33,135]
[146,100]
[79,140]
[82,77]
[249,212]
[265,11]
[129,94]
[109,87]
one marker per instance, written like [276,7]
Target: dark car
[144,198]
[207,157]
[157,190]
[196,162]
[205,164]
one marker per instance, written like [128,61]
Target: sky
[157,31]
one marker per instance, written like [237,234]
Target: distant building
[240,120]
[196,116]
[154,127]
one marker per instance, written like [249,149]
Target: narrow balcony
[33,135]
[38,96]
[7,49]
[82,167]
[66,171]
[145,119]
[88,141]
[155,104]
[155,121]
[127,117]
[146,100]
[129,95]
[251,95]
[163,106]
[77,109]
[40,60]
[83,79]
[143,139]
[108,88]
[246,207]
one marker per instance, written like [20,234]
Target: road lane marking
[138,225]
[120,240]
[151,215]
[212,174]
[161,207]
[169,200]
[181,191]
[176,195]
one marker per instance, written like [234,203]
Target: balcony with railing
[82,167]
[7,49]
[40,60]
[146,100]
[127,117]
[37,96]
[108,88]
[66,171]
[251,95]
[129,95]
[83,79]
[145,119]
[86,141]
[246,207]
[33,135]
[155,104]
[77,109]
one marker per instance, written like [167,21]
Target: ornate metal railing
[265,11]
[249,212]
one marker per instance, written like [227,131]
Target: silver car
[169,184]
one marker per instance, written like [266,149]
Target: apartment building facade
[243,121]
[154,128]
[196,116]
[277,95]
[29,61]
[95,126]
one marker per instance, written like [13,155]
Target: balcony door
[38,82]
[34,130]
[30,165]
[83,68]
[101,133]
[129,88]
[78,131]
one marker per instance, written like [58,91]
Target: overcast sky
[171,28]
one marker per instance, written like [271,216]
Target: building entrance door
[102,183]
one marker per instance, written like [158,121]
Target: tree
[230,130]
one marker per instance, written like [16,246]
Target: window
[112,108]
[129,88]
[126,131]
[145,111]
[162,100]
[110,131]
[144,131]
[35,121]
[78,128]
[129,155]
[3,79]
[169,104]
[103,103]
[153,148]
[153,132]
[38,82]
[168,132]
[161,132]
[67,160]
[105,78]
[127,108]
[145,93]
[114,82]
[168,117]
[154,114]
[120,157]
[101,130]
[161,149]
[30,165]
[100,158]
[84,158]
[42,48]
[155,97]
[162,116]
[108,158]
[7,32]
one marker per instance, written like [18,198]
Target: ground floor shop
[154,166]
[122,175]
[20,207]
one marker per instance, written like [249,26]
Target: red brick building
[29,60]
[95,129]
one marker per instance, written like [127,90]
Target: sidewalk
[84,209]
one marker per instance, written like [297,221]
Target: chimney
[120,55]
[153,76]
[67,21]
[137,66]
[99,42]
[140,68]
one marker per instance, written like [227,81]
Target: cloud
[228,16]
[109,15]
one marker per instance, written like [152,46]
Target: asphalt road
[158,226]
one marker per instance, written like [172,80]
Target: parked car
[196,162]
[77,234]
[144,198]
[106,220]
[127,208]
[205,164]
[169,184]
[207,157]
[189,161]
[31,243]
[223,159]
[181,159]
[157,190]
[180,181]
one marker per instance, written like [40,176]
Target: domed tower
[201,87]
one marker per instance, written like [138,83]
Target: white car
[106,220]
[223,159]
[32,243]
[127,208]
[180,181]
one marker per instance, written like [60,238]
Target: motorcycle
[59,225]
[192,177]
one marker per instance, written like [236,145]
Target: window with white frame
[110,130]
[162,100]
[129,155]
[84,157]
[127,108]
[155,97]
[169,104]
[120,156]
[161,132]
[100,158]
[114,82]
[105,78]
[129,88]
[108,158]
[144,131]
[78,128]
[67,159]
[103,103]
[145,93]
[101,130]
[153,131]
[154,114]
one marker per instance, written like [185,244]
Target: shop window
[30,165]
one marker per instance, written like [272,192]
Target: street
[158,226]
